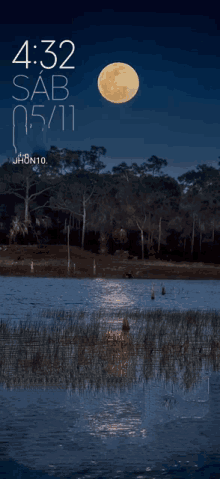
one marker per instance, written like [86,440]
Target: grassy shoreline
[15,260]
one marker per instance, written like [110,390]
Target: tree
[21,180]
[85,185]
[151,200]
[76,194]
[153,164]
[55,163]
[18,226]
[124,171]
[120,236]
[190,210]
[203,177]
[83,160]
[136,205]
[166,202]
[204,188]
[95,164]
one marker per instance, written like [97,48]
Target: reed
[73,350]
[125,325]
[152,292]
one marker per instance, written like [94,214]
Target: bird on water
[128,275]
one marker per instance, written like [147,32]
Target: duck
[128,275]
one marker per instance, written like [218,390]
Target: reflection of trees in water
[173,346]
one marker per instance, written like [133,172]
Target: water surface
[20,296]
[151,428]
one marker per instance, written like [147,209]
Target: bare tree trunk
[149,230]
[200,236]
[159,236]
[193,233]
[26,202]
[142,243]
[26,211]
[200,241]
[68,244]
[213,231]
[79,229]
[84,223]
[142,237]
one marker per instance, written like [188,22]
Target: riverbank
[16,260]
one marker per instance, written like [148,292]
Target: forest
[133,210]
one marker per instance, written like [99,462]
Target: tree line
[135,208]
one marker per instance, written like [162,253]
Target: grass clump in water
[74,350]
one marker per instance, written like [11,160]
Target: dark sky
[174,115]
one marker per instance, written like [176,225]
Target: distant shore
[51,261]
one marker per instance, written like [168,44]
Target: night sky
[174,115]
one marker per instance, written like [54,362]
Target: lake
[20,296]
[153,428]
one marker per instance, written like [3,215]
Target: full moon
[118,82]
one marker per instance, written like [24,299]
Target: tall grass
[74,352]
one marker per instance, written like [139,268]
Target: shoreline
[58,269]
[51,261]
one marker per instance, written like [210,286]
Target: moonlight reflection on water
[150,408]
[21,296]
